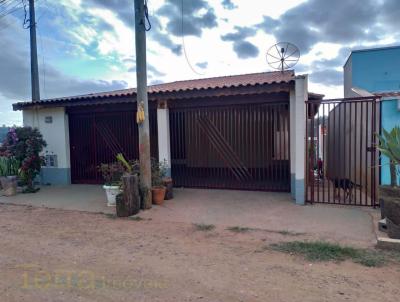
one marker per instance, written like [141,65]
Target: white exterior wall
[292,112]
[348,78]
[164,146]
[56,135]
[298,137]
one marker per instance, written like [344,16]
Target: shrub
[25,145]
[158,172]
[112,173]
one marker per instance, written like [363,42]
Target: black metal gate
[341,155]
[231,147]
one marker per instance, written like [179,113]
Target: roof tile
[252,79]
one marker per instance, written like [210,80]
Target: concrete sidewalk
[88,198]
[224,208]
[270,211]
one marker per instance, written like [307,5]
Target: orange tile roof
[253,79]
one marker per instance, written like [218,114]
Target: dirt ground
[56,255]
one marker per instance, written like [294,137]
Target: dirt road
[55,255]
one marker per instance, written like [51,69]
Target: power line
[146,17]
[26,23]
[6,3]
[184,45]
[9,7]
[43,62]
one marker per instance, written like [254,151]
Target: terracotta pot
[158,194]
[168,183]
[390,203]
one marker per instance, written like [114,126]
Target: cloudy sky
[88,45]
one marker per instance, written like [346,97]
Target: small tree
[25,145]
[389,145]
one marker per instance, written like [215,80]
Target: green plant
[25,145]
[132,166]
[9,166]
[239,229]
[204,227]
[325,251]
[136,218]
[289,233]
[389,145]
[158,172]
[112,173]
[3,166]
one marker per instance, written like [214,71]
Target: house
[233,132]
[377,71]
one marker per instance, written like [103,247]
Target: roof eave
[158,96]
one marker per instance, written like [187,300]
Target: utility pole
[142,104]
[34,61]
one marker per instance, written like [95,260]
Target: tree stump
[128,203]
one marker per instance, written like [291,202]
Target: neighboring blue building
[377,71]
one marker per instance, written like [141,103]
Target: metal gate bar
[231,147]
[97,137]
[341,157]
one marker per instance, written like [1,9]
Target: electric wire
[42,53]
[9,7]
[26,23]
[146,15]
[184,45]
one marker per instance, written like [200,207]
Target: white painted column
[300,119]
[292,115]
[164,146]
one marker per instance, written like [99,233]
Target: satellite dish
[283,56]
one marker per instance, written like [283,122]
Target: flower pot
[391,203]
[111,193]
[158,194]
[9,184]
[169,194]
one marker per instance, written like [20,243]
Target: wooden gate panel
[233,147]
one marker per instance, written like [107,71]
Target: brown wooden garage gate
[236,146]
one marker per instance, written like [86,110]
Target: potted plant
[167,181]
[389,145]
[158,189]
[25,144]
[9,167]
[112,174]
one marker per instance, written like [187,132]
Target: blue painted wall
[55,176]
[390,118]
[378,70]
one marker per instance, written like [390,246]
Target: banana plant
[124,162]
[389,145]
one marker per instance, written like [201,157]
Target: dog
[346,185]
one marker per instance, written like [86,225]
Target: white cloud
[95,36]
